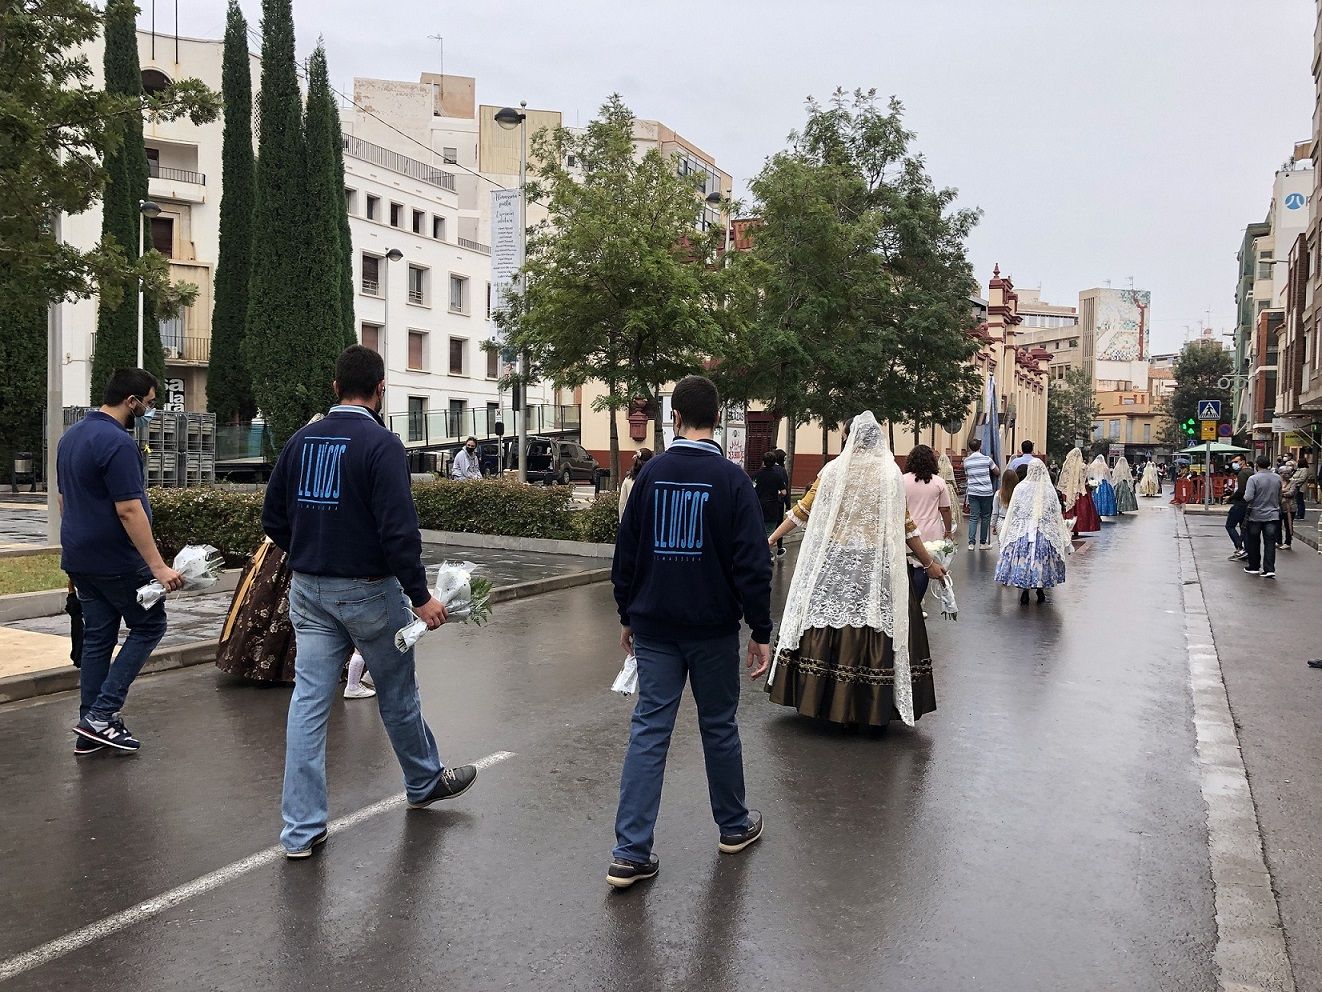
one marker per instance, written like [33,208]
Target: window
[417,285]
[417,418]
[396,215]
[1265,264]
[373,207]
[438,228]
[371,275]
[153,161]
[459,294]
[418,351]
[458,410]
[419,222]
[350,200]
[153,81]
[162,235]
[1074,342]
[458,356]
[450,156]
[488,301]
[493,364]
[370,336]
[571,161]
[1147,433]
[1115,429]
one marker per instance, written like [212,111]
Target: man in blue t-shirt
[690,563]
[107,547]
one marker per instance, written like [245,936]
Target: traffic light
[1190,427]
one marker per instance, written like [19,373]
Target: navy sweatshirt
[340,502]
[691,558]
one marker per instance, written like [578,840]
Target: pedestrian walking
[640,458]
[1150,484]
[1103,493]
[771,498]
[108,550]
[1122,477]
[1036,537]
[853,646]
[946,469]
[1262,494]
[1025,456]
[1238,512]
[690,562]
[1303,473]
[1287,472]
[929,505]
[257,639]
[980,473]
[1001,502]
[1072,483]
[466,464]
[340,503]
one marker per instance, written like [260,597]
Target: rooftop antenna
[441,42]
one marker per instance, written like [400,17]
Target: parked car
[550,460]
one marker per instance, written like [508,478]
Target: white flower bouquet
[466,599]
[626,683]
[942,551]
[199,564]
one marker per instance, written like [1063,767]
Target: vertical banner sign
[506,221]
[174,396]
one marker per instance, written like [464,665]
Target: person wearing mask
[1262,494]
[979,472]
[690,563]
[108,550]
[1302,475]
[1238,508]
[640,458]
[785,484]
[467,463]
[340,504]
[1286,472]
[1025,457]
[771,497]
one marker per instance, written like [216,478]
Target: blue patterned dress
[1030,563]
[1103,497]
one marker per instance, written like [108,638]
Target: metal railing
[415,296]
[372,287]
[187,350]
[476,246]
[395,162]
[442,427]
[180,175]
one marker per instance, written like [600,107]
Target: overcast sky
[1101,140]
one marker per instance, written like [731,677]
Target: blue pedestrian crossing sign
[1209,409]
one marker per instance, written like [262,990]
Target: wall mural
[1122,325]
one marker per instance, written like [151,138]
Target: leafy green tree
[1198,372]
[290,375]
[23,385]
[229,383]
[1072,409]
[617,279]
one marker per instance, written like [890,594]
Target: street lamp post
[393,255]
[146,208]
[715,199]
[509,118]
[54,399]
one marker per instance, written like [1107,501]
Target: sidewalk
[22,524]
[31,648]
[1265,629]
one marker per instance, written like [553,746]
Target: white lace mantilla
[1034,513]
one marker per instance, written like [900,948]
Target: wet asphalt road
[1042,830]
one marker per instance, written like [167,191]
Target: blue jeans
[980,511]
[712,667]
[331,616]
[107,600]
[1234,519]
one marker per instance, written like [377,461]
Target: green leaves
[1198,373]
[1072,409]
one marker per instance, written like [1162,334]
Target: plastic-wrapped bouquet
[942,551]
[199,564]
[626,683]
[466,599]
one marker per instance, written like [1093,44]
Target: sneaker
[360,691]
[85,745]
[1315,663]
[111,733]
[751,834]
[984,547]
[1269,575]
[1253,571]
[307,852]
[1235,556]
[623,873]
[781,552]
[453,784]
[970,545]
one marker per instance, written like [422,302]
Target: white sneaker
[985,547]
[359,692]
[970,545]
[1268,575]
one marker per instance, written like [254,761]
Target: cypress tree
[346,236]
[23,385]
[126,186]
[229,383]
[324,257]
[290,375]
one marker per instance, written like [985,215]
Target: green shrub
[600,522]
[230,522]
[495,506]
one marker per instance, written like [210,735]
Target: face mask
[147,414]
[469,448]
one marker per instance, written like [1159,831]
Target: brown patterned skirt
[257,641]
[847,676]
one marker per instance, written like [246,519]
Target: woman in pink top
[929,504]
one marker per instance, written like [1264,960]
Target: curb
[50,602]
[498,542]
[29,550]
[28,686]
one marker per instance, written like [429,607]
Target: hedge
[229,521]
[495,506]
[600,522]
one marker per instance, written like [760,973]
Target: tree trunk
[890,429]
[615,447]
[659,429]
[790,444]
[826,443]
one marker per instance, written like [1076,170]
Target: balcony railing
[371,287]
[415,296]
[395,162]
[476,246]
[188,350]
[179,175]
[442,427]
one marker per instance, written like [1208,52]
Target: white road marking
[90,934]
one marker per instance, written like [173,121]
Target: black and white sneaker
[306,852]
[1269,575]
[453,784]
[736,842]
[85,745]
[1253,571]
[623,873]
[111,733]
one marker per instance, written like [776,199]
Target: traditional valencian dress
[257,641]
[1150,484]
[1103,493]
[1073,486]
[853,646]
[1122,477]
[1036,536]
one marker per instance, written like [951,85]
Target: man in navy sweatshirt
[690,563]
[339,502]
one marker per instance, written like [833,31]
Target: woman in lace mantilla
[1035,537]
[853,646]
[1072,484]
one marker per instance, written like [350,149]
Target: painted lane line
[90,934]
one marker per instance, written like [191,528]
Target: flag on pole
[991,426]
